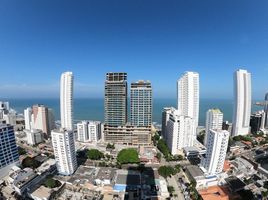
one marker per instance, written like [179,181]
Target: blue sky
[152,40]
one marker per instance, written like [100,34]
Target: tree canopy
[95,154]
[52,183]
[30,162]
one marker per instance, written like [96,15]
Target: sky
[149,39]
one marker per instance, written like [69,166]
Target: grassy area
[126,156]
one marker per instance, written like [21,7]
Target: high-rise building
[188,96]
[217,143]
[214,120]
[51,119]
[165,117]
[179,131]
[8,149]
[66,100]
[28,118]
[257,121]
[242,105]
[141,103]
[266,110]
[89,131]
[64,151]
[39,117]
[115,99]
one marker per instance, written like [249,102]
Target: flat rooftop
[129,179]
[194,170]
[215,193]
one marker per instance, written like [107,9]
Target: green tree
[52,183]
[171,189]
[166,171]
[128,156]
[94,154]
[30,162]
[159,156]
[162,146]
[21,151]
[110,146]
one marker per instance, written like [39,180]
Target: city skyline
[159,44]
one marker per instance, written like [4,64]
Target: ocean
[93,109]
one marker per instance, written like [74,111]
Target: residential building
[66,100]
[115,103]
[141,103]
[28,118]
[165,117]
[34,136]
[179,132]
[242,105]
[64,151]
[8,149]
[214,120]
[39,117]
[4,108]
[188,96]
[217,143]
[88,131]
[257,121]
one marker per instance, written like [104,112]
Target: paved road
[173,182]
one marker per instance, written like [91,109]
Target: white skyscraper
[217,143]
[242,106]
[179,131]
[66,100]
[28,118]
[214,120]
[88,131]
[64,151]
[188,95]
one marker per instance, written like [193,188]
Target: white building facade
[64,151]
[217,143]
[179,131]
[66,100]
[188,95]
[214,120]
[242,106]
[89,131]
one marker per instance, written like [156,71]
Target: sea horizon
[93,108]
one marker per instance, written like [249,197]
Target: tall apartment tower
[179,132]
[214,120]
[115,103]
[28,118]
[242,106]
[141,104]
[66,100]
[64,151]
[39,117]
[217,143]
[8,149]
[188,95]
[165,117]
[266,110]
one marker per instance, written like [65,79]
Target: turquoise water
[93,109]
